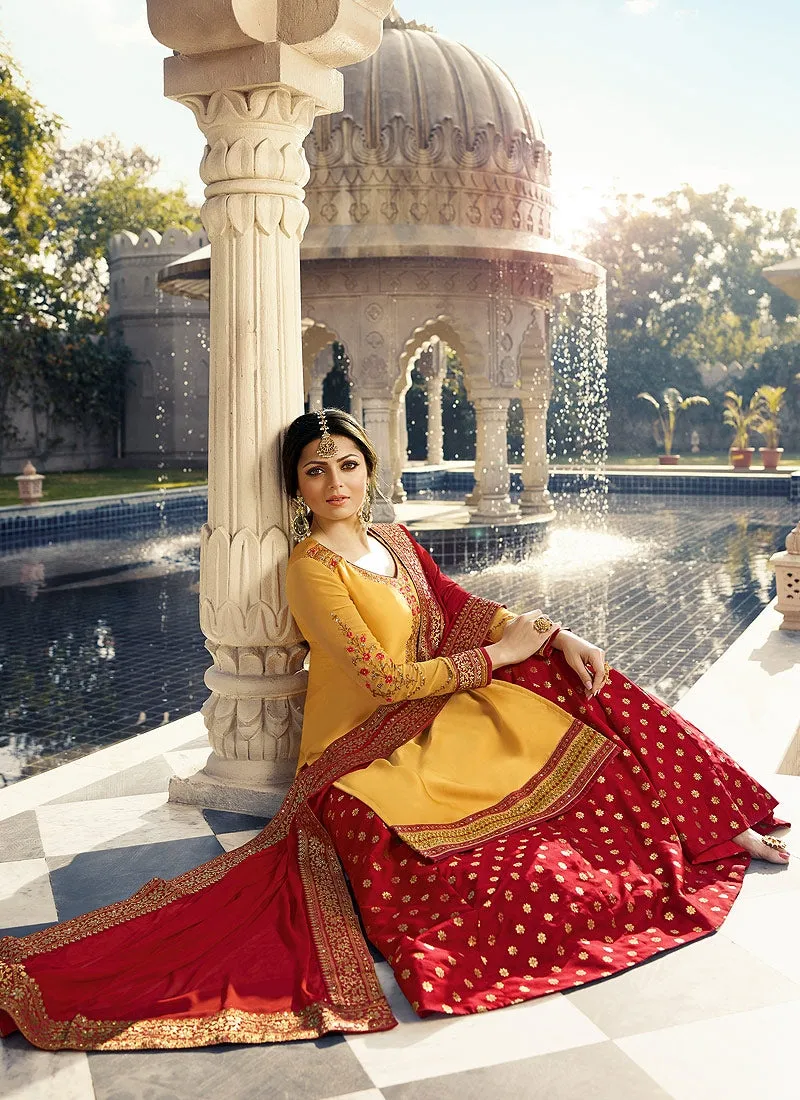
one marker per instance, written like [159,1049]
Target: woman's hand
[520,640]
[586,659]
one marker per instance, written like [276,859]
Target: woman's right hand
[520,640]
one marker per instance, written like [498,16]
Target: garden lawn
[100,483]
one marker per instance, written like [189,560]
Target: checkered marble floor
[715,1019]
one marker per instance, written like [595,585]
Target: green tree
[28,135]
[685,287]
[97,189]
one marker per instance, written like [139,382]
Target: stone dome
[433,137]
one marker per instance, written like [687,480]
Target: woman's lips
[337,500]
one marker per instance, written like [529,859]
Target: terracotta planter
[770,457]
[741,457]
[668,460]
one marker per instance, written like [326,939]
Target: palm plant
[770,403]
[743,419]
[667,408]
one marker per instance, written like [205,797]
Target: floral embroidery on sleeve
[382,676]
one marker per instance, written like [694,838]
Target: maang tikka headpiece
[326,448]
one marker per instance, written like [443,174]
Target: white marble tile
[229,841]
[417,1049]
[71,827]
[25,894]
[766,925]
[365,1094]
[771,878]
[744,1056]
[32,792]
[185,762]
[27,1073]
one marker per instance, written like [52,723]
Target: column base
[212,793]
[491,509]
[535,502]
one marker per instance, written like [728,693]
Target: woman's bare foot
[757,847]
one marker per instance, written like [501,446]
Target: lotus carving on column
[242,601]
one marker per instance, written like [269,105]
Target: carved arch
[316,337]
[451,332]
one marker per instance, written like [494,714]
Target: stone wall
[166,403]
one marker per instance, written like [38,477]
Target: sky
[634,96]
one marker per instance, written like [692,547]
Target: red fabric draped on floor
[641,863]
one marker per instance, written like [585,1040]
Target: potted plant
[667,408]
[743,420]
[770,403]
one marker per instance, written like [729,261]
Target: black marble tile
[25,929]
[19,838]
[595,1072]
[224,821]
[277,1071]
[92,879]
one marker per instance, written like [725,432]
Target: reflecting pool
[100,640]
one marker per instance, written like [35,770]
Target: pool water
[100,641]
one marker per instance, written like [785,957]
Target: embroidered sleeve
[498,625]
[331,623]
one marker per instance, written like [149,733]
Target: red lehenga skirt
[643,862]
[262,944]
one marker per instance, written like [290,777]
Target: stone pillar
[399,438]
[356,406]
[471,499]
[786,564]
[377,424]
[315,401]
[254,96]
[435,382]
[535,498]
[491,496]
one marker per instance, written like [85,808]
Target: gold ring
[543,624]
[606,672]
[774,843]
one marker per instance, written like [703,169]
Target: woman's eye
[349,465]
[313,472]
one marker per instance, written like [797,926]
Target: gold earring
[365,511]
[300,526]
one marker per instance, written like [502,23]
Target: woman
[513,817]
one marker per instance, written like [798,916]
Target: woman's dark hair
[307,428]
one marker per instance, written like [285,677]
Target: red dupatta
[261,944]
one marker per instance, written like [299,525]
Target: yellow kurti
[488,740]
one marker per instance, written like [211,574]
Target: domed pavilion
[429,200]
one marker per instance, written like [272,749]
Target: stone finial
[29,484]
[793,541]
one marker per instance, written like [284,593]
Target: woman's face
[333,488]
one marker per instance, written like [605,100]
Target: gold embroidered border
[22,999]
[397,541]
[473,669]
[322,554]
[344,960]
[578,757]
[473,620]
